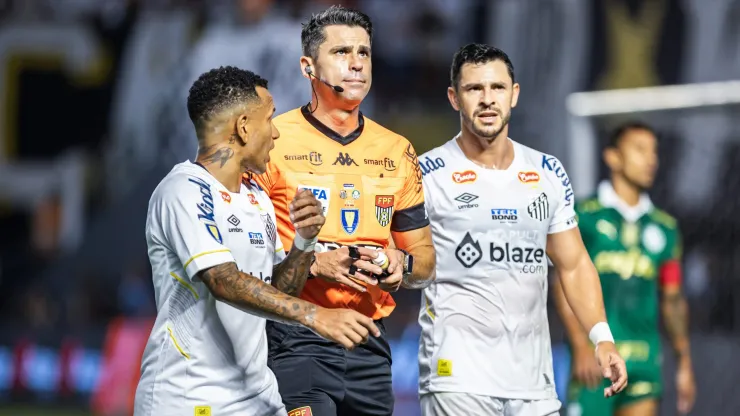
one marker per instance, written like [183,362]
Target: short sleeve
[410,213]
[564,216]
[671,272]
[187,218]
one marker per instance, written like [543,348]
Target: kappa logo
[384,209]
[529,177]
[301,411]
[468,176]
[345,159]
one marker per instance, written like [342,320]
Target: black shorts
[314,372]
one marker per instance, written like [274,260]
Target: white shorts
[455,404]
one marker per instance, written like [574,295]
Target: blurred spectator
[135,297]
[254,35]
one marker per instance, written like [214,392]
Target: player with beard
[636,248]
[498,210]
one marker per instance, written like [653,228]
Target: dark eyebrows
[471,85]
[348,48]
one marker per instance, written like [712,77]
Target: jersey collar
[608,198]
[326,131]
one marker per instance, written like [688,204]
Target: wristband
[600,333]
[304,245]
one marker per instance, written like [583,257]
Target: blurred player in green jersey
[636,249]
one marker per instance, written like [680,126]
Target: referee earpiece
[308,69]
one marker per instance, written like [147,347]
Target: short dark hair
[219,89]
[313,33]
[478,53]
[619,132]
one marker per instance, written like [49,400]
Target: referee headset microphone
[336,88]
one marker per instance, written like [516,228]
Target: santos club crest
[384,209]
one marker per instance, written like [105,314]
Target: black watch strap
[408,261]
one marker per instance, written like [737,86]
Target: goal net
[698,182]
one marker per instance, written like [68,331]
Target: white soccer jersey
[203,353]
[484,319]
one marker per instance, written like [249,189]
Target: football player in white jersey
[219,268]
[498,210]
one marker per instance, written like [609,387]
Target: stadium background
[92,116]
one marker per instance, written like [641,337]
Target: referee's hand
[344,326]
[612,367]
[341,266]
[306,214]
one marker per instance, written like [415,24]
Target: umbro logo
[234,221]
[466,199]
[345,160]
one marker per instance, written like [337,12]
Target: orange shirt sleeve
[268,179]
[410,213]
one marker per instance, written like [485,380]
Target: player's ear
[242,123]
[306,66]
[514,94]
[612,158]
[452,96]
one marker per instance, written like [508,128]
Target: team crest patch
[653,239]
[269,227]
[384,209]
[350,219]
[301,411]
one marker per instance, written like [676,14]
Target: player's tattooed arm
[675,314]
[290,275]
[254,296]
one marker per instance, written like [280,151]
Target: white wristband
[304,245]
[600,333]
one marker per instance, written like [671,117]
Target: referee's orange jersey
[368,182]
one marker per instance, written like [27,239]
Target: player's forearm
[290,275]
[423,273]
[582,290]
[576,335]
[254,296]
[675,314]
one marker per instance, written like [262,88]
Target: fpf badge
[350,219]
[384,209]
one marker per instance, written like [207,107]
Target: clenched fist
[344,326]
[306,214]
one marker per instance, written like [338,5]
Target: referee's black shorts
[315,373]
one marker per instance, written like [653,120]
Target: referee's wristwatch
[408,262]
